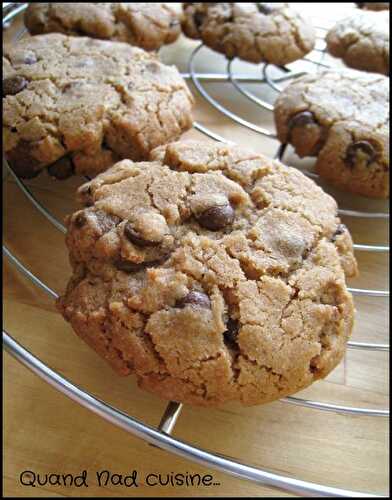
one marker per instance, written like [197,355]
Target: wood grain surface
[45,432]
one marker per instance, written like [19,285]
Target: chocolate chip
[302,119]
[216,218]
[358,149]
[306,134]
[232,331]
[341,229]
[13,85]
[61,169]
[127,266]
[22,160]
[80,220]
[131,267]
[30,59]
[67,87]
[314,364]
[265,8]
[194,298]
[136,238]
[198,19]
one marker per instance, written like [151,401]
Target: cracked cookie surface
[146,25]
[343,119]
[212,273]
[79,105]
[254,32]
[362,41]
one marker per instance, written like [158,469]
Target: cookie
[212,273]
[362,41]
[77,104]
[255,32]
[146,25]
[373,5]
[343,119]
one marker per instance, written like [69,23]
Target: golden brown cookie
[255,32]
[212,273]
[146,25]
[373,5]
[362,41]
[79,105]
[343,119]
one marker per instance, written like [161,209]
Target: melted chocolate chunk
[302,119]
[341,229]
[13,85]
[232,331]
[357,150]
[131,267]
[136,238]
[265,8]
[127,266]
[61,169]
[80,220]
[215,218]
[194,298]
[198,19]
[314,364]
[22,160]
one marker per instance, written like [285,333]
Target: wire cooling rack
[272,77]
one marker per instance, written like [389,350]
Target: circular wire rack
[272,77]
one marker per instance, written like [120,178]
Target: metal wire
[348,213]
[161,437]
[369,293]
[235,81]
[61,227]
[217,105]
[164,440]
[57,224]
[23,269]
[204,130]
[267,78]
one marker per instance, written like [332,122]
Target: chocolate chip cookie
[255,32]
[362,41]
[79,105]
[373,5]
[343,119]
[146,25]
[212,273]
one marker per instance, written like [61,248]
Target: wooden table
[45,432]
